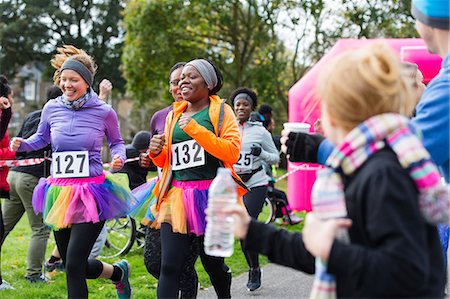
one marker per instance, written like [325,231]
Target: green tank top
[204,172]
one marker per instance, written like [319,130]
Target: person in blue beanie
[433,24]
[432,112]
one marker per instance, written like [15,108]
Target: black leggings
[174,251]
[254,201]
[74,245]
[152,261]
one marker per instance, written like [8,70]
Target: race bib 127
[187,154]
[70,164]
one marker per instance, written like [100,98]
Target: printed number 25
[244,162]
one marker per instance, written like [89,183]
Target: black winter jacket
[29,127]
[393,253]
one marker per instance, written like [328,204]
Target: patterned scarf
[377,132]
[77,104]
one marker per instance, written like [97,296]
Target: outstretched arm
[5,105]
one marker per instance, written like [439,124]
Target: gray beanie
[141,140]
[206,70]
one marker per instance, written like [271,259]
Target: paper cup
[297,127]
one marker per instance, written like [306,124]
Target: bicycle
[122,234]
[275,207]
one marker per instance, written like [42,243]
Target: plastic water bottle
[219,234]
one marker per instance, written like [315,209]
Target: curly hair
[68,51]
[247,91]
[5,89]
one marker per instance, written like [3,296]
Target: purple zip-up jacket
[78,130]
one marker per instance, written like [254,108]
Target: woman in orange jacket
[202,124]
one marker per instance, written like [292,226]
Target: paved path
[277,282]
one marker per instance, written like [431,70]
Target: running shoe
[56,265]
[254,279]
[6,286]
[123,286]
[36,279]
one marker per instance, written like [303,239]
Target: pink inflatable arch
[304,105]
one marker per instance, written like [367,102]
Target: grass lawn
[144,285]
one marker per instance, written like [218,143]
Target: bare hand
[144,160]
[5,103]
[157,143]
[318,126]
[284,138]
[116,163]
[319,235]
[105,88]
[183,121]
[15,144]
[241,219]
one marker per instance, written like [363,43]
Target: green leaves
[30,30]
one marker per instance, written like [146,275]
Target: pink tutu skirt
[64,202]
[183,208]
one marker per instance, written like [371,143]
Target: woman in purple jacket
[79,196]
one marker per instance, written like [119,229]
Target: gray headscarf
[206,70]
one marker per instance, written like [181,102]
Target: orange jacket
[224,145]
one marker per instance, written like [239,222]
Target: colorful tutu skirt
[183,208]
[144,200]
[67,201]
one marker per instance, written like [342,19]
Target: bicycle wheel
[140,236]
[120,238]
[267,214]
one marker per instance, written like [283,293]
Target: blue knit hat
[434,13]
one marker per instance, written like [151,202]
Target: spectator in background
[6,100]
[432,113]
[137,175]
[289,216]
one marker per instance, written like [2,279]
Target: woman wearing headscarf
[201,122]
[257,148]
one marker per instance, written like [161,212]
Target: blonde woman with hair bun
[372,232]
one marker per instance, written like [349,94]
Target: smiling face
[193,87]
[243,108]
[174,87]
[72,85]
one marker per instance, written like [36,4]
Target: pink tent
[304,105]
